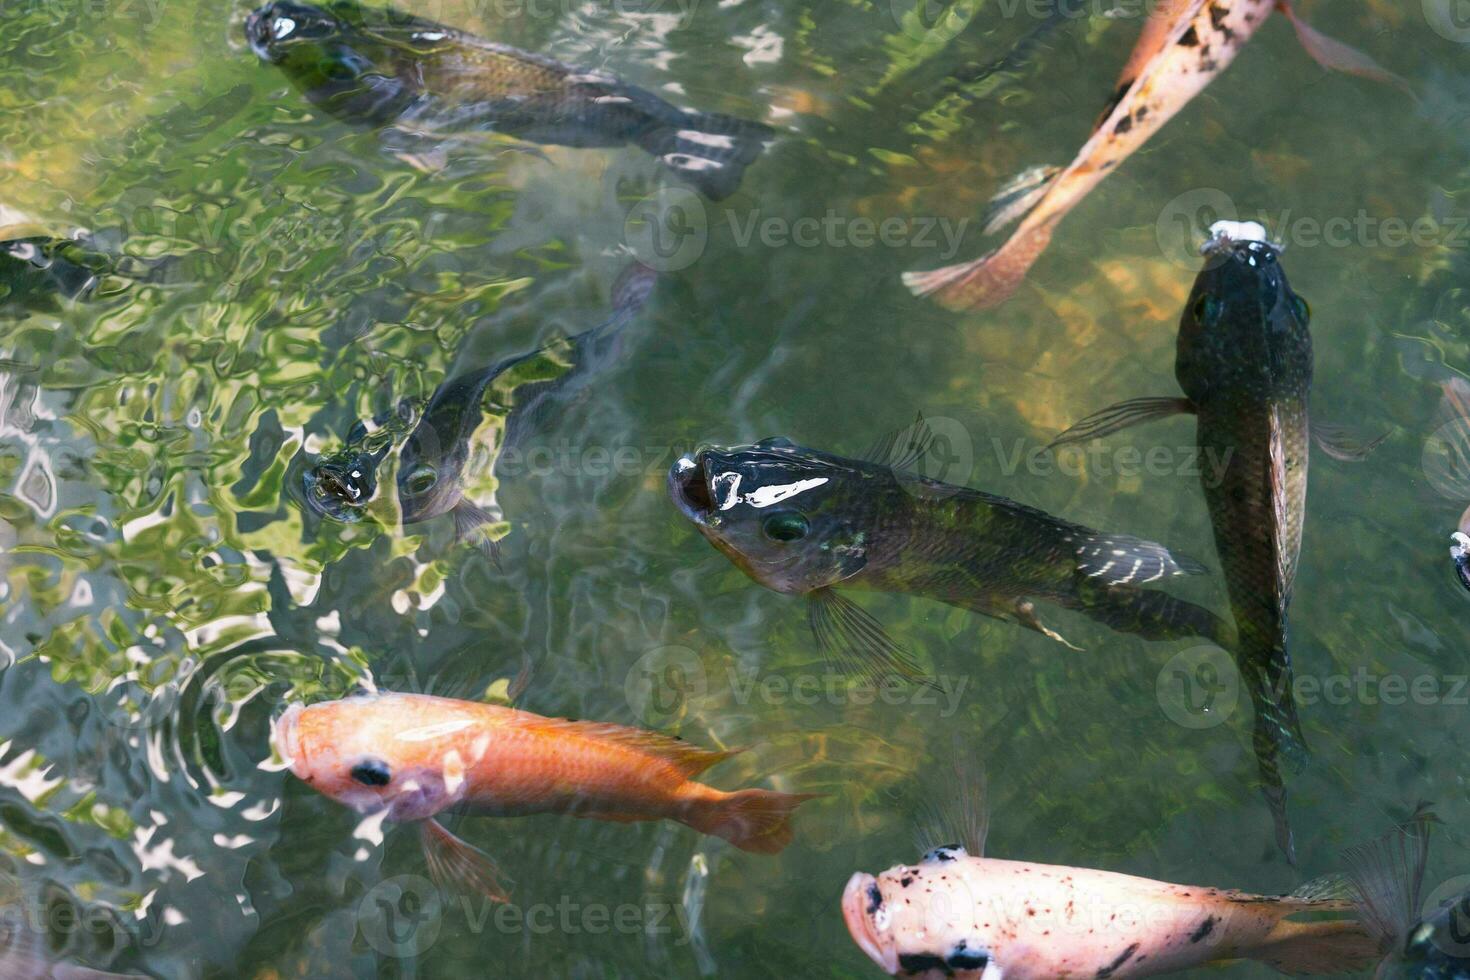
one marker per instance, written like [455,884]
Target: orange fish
[411,756]
[1184,45]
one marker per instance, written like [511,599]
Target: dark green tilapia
[37,273]
[810,523]
[1245,363]
[433,459]
[380,67]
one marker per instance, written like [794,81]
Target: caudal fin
[987,281]
[757,820]
[708,150]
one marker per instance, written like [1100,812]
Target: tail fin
[1268,739]
[987,281]
[757,820]
[709,150]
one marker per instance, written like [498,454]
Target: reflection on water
[254,277]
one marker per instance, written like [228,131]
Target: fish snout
[689,487]
[867,921]
[258,31]
[286,738]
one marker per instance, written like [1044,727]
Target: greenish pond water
[163,593]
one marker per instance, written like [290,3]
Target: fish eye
[785,525]
[372,772]
[1207,309]
[282,28]
[1302,310]
[421,480]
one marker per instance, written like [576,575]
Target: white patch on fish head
[1459,545]
[282,28]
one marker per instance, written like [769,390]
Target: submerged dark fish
[36,273]
[1245,364]
[380,67]
[810,523]
[432,461]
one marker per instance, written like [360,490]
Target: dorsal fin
[903,449]
[691,760]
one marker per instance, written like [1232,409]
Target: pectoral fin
[458,866]
[1337,56]
[1342,444]
[1117,417]
[1025,613]
[854,640]
[472,525]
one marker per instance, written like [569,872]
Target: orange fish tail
[757,820]
[989,280]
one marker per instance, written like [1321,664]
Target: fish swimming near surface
[432,462]
[956,913]
[1245,363]
[381,67]
[1184,45]
[809,523]
[38,272]
[412,757]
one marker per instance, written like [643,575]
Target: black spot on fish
[962,957]
[916,963]
[1124,124]
[1117,97]
[1189,38]
[1112,968]
[875,898]
[1205,928]
[905,881]
[1141,114]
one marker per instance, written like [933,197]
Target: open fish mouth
[286,738]
[861,900]
[339,489]
[689,487]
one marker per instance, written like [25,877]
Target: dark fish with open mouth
[37,273]
[432,461]
[809,523]
[1245,363]
[379,67]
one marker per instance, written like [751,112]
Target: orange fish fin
[757,820]
[458,866]
[1334,55]
[987,281]
[690,760]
